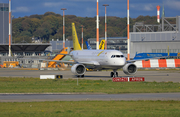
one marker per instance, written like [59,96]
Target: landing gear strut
[114,73]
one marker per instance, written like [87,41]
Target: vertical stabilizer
[88,46]
[101,45]
[75,38]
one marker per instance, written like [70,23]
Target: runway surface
[150,76]
[87,97]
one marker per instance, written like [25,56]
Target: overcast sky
[87,8]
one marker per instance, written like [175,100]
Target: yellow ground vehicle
[7,64]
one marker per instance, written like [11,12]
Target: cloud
[21,9]
[143,7]
[174,4]
[57,4]
[148,7]
[52,4]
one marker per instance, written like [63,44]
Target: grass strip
[91,109]
[35,85]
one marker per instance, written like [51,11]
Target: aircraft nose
[122,61]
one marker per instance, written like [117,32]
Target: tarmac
[88,97]
[149,75]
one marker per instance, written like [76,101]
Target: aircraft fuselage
[105,59]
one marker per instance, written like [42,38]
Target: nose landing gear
[114,73]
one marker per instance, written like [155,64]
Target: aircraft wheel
[78,76]
[82,76]
[112,74]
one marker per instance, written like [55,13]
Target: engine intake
[129,69]
[78,69]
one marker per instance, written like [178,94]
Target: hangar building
[156,38]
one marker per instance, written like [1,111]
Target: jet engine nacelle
[78,69]
[130,68]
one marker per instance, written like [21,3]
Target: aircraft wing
[91,63]
[59,61]
[132,61]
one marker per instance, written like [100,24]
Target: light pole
[97,27]
[82,37]
[10,28]
[128,55]
[105,27]
[63,27]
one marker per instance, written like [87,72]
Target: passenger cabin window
[117,56]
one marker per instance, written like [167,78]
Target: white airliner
[97,59]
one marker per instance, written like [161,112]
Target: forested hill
[49,26]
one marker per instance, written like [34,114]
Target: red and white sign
[128,79]
[120,79]
[136,79]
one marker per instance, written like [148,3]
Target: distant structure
[56,46]
[97,27]
[158,14]
[4,23]
[151,38]
[163,12]
[63,27]
[82,37]
[113,43]
[105,26]
[10,28]
[128,54]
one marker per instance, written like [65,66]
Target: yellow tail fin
[101,46]
[75,38]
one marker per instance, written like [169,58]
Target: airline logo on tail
[75,38]
[88,46]
[101,46]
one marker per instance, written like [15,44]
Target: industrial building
[57,45]
[148,38]
[4,23]
[31,51]
[156,38]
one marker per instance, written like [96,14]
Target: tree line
[50,26]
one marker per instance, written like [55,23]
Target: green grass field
[87,108]
[35,85]
[91,109]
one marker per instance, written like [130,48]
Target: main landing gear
[82,76]
[114,73]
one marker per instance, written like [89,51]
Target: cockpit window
[112,56]
[117,56]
